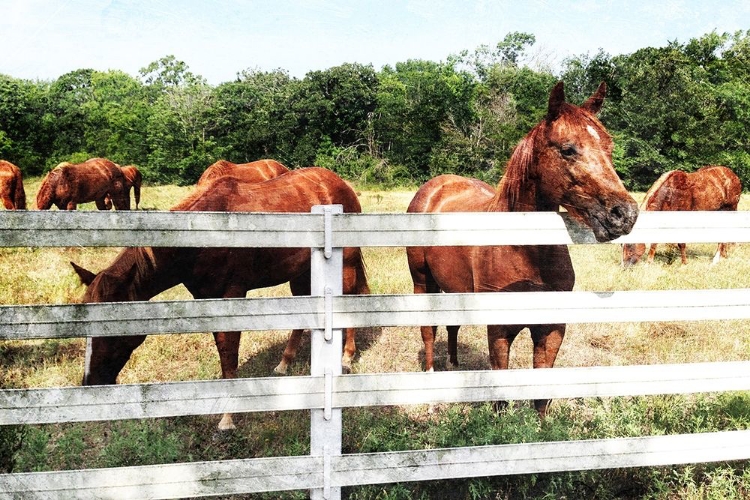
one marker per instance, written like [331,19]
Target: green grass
[44,276]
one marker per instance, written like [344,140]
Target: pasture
[44,276]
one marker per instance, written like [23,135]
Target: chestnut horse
[142,273]
[11,186]
[710,188]
[68,184]
[255,171]
[134,180]
[565,160]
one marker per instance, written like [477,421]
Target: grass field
[44,276]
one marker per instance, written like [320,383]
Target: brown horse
[565,160]
[68,184]
[11,186]
[709,188]
[134,180]
[142,273]
[256,171]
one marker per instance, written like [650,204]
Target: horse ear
[556,100]
[594,103]
[86,276]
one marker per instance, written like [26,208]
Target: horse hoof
[280,369]
[226,423]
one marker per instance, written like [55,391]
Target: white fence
[325,392]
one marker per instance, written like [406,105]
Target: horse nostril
[617,213]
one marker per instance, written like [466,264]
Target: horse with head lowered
[710,188]
[564,161]
[142,273]
[68,185]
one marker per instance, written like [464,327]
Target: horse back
[452,193]
[295,191]
[715,187]
[256,171]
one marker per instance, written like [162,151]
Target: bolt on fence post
[326,275]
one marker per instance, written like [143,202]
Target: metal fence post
[326,268]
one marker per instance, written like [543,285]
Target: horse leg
[721,253]
[71,205]
[683,252]
[228,345]
[103,203]
[651,253]
[547,341]
[452,362]
[499,340]
[290,352]
[354,282]
[428,339]
[299,286]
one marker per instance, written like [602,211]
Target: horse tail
[20,193]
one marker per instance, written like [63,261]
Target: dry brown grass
[44,276]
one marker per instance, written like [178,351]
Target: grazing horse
[11,186]
[256,171]
[68,184]
[133,179]
[710,188]
[565,160]
[142,273]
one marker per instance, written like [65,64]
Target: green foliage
[682,106]
[11,441]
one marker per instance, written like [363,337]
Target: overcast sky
[43,39]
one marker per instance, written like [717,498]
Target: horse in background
[255,171]
[713,187]
[142,273]
[11,186]
[565,160]
[134,180]
[69,184]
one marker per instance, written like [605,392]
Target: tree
[180,124]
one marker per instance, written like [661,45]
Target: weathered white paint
[80,404]
[207,229]
[326,392]
[278,474]
[130,318]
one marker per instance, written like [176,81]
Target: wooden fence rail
[325,392]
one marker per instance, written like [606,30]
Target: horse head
[106,356]
[45,197]
[568,160]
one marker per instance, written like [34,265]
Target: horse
[713,187]
[565,160]
[69,184]
[11,186]
[142,273]
[134,180]
[256,171]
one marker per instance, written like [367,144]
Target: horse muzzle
[613,220]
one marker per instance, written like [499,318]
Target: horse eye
[568,151]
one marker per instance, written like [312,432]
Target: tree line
[680,106]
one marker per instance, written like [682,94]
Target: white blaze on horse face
[591,130]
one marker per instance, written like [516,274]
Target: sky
[44,39]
